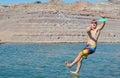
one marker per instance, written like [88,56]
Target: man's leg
[78,67]
[77,59]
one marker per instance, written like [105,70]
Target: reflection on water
[75,76]
[47,61]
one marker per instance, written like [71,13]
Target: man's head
[93,24]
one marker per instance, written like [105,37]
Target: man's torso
[93,36]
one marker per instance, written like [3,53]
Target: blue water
[47,61]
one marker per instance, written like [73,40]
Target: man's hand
[102,14]
[88,29]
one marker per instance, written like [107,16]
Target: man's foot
[68,65]
[74,73]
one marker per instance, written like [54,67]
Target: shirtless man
[93,32]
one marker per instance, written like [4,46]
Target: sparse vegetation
[37,2]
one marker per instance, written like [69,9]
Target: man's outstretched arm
[101,26]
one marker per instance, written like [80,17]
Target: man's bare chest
[94,33]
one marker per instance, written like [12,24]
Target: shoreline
[57,43]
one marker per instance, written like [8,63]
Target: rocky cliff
[56,23]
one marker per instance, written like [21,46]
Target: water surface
[47,61]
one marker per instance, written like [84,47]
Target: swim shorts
[89,49]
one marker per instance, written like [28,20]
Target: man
[93,32]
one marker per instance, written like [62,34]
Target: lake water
[47,61]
